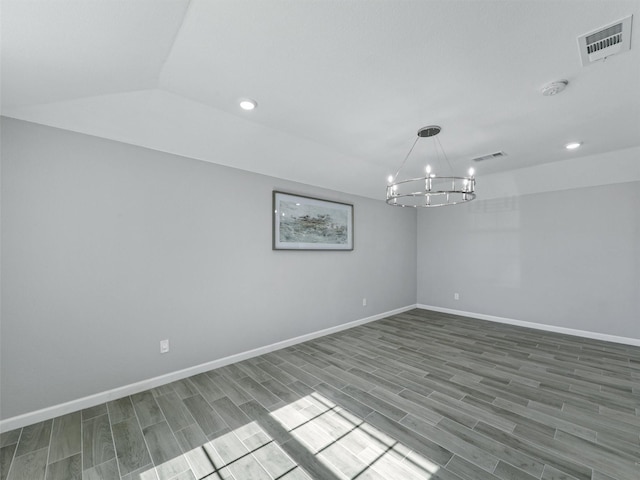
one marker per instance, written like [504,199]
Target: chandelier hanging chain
[406,157]
[444,154]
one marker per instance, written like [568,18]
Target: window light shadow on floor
[311,434]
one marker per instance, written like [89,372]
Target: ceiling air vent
[606,41]
[490,156]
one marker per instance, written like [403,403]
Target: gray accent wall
[567,258]
[108,248]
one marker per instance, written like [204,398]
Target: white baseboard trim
[537,326]
[109,395]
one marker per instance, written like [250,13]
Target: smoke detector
[554,88]
[605,41]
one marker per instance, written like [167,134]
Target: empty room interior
[279,239]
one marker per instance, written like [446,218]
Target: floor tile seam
[604,367]
[186,410]
[478,387]
[14,456]
[210,405]
[83,419]
[102,463]
[572,457]
[603,381]
[622,359]
[30,453]
[570,379]
[310,420]
[335,441]
[575,399]
[396,405]
[383,380]
[454,368]
[553,453]
[113,441]
[453,451]
[144,439]
[593,425]
[411,465]
[622,391]
[601,420]
[372,464]
[176,442]
[622,445]
[237,385]
[244,455]
[499,444]
[587,462]
[547,422]
[64,458]
[446,466]
[516,468]
[201,391]
[571,476]
[340,473]
[604,449]
[502,392]
[623,440]
[191,467]
[53,423]
[374,408]
[478,419]
[628,417]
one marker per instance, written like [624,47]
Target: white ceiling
[342,86]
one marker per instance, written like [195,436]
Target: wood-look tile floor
[420,395]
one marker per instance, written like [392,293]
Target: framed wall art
[307,223]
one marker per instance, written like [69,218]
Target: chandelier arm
[405,158]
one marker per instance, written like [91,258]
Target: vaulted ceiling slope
[342,87]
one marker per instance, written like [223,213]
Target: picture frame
[309,223]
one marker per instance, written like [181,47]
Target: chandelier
[431,190]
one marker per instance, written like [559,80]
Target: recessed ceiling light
[572,145]
[248,104]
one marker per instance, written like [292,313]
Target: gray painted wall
[108,248]
[566,258]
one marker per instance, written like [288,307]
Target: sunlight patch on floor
[345,444]
[348,445]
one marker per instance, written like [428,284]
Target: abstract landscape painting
[304,223]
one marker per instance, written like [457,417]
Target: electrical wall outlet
[364,302]
[456,296]
[164,346]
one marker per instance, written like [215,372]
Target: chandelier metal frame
[431,190]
